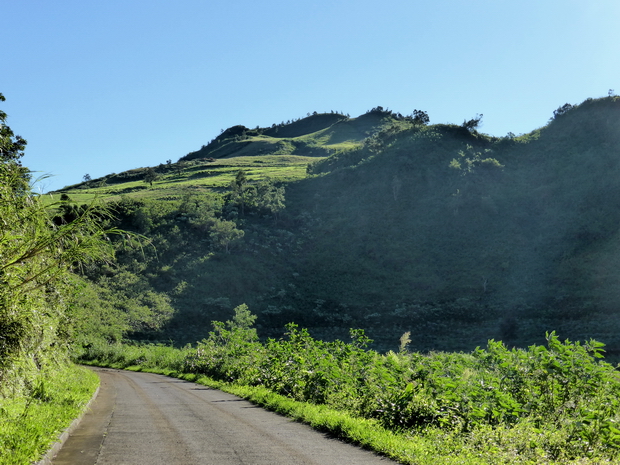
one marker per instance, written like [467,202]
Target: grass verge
[29,425]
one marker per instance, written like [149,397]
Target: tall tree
[239,188]
[270,198]
[11,146]
[150,176]
[224,233]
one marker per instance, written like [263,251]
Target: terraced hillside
[281,153]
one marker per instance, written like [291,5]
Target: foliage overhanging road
[141,418]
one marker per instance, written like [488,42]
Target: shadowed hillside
[453,235]
[440,221]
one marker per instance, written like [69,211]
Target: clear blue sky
[104,86]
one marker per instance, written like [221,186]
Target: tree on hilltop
[150,176]
[562,110]
[420,117]
[473,123]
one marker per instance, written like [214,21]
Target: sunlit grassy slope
[281,153]
[198,175]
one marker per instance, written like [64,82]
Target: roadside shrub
[560,402]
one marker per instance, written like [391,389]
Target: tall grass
[31,423]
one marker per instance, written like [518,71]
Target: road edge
[55,448]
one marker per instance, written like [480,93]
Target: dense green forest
[396,225]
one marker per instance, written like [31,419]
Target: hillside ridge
[440,230]
[318,134]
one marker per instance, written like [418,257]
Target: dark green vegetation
[439,230]
[553,404]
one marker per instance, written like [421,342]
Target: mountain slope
[436,220]
[439,230]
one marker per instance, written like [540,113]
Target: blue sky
[102,87]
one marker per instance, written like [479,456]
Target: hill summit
[318,134]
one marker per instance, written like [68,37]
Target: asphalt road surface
[143,418]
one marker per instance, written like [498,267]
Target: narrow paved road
[142,418]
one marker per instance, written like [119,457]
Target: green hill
[398,226]
[315,135]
